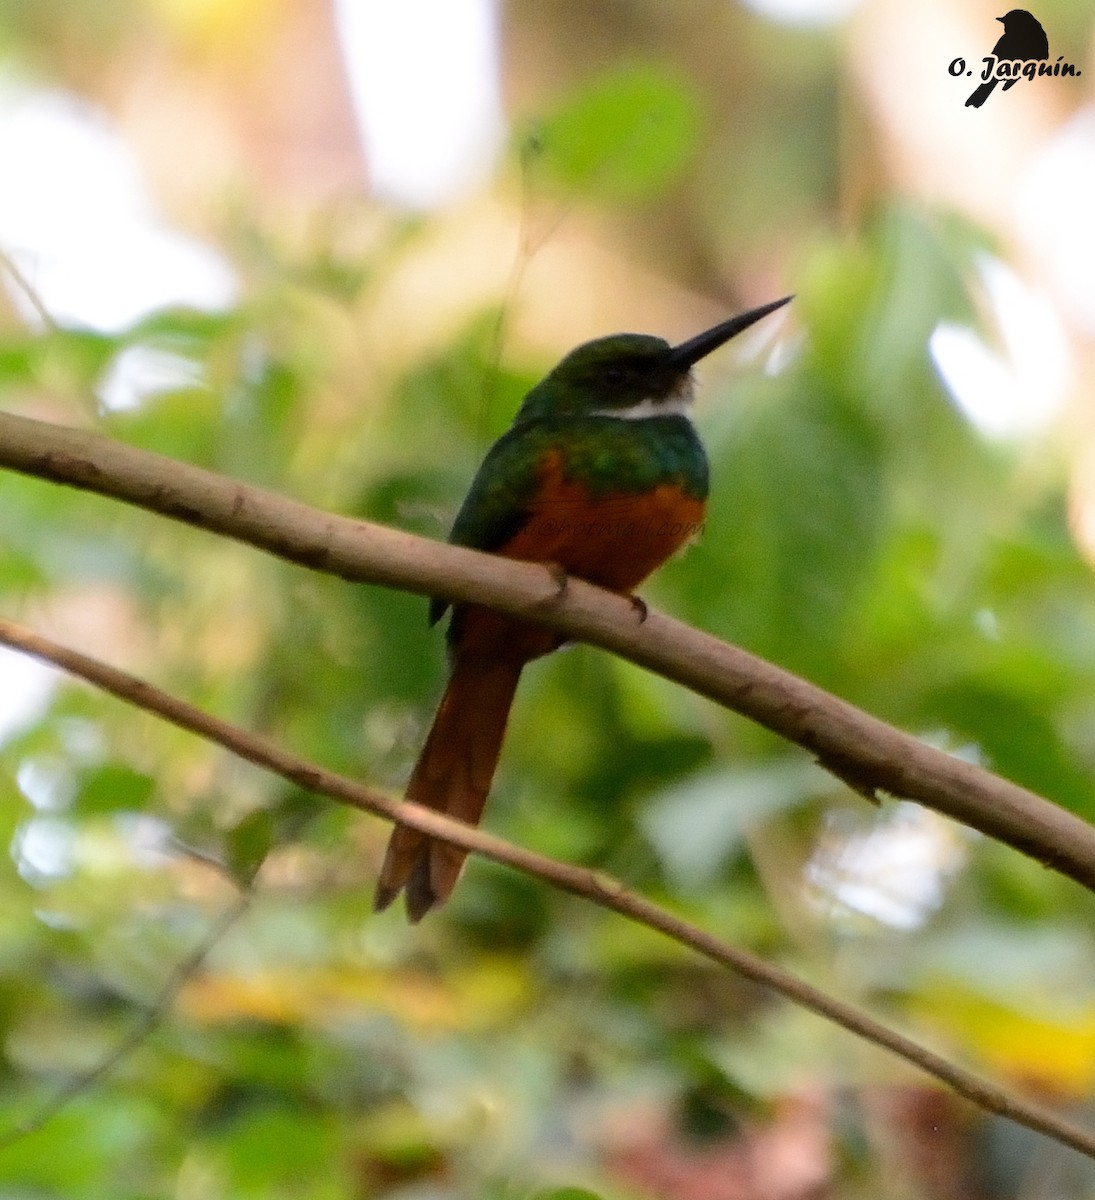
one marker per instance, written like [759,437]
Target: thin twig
[600,889]
[855,746]
[176,981]
[18,277]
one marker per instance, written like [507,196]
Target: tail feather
[453,776]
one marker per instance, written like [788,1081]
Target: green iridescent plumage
[604,443]
[605,454]
[612,414]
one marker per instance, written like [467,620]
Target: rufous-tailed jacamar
[602,476]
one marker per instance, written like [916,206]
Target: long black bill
[683,356]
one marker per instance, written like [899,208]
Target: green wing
[497,503]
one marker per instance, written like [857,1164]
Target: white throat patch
[676,404]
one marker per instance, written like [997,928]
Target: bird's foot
[639,605]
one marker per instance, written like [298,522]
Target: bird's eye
[612,376]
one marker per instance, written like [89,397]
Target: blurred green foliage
[860,532]
[624,136]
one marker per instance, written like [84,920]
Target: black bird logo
[1023,38]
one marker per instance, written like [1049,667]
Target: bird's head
[1017,17]
[630,374]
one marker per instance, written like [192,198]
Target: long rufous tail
[453,775]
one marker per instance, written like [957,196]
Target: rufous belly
[614,541]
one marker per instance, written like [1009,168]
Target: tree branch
[862,750]
[594,886]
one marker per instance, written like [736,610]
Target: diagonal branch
[594,886]
[859,748]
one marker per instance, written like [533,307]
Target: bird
[602,477]
[1023,38]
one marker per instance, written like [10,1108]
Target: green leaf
[113,788]
[268,1146]
[248,843]
[628,134]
